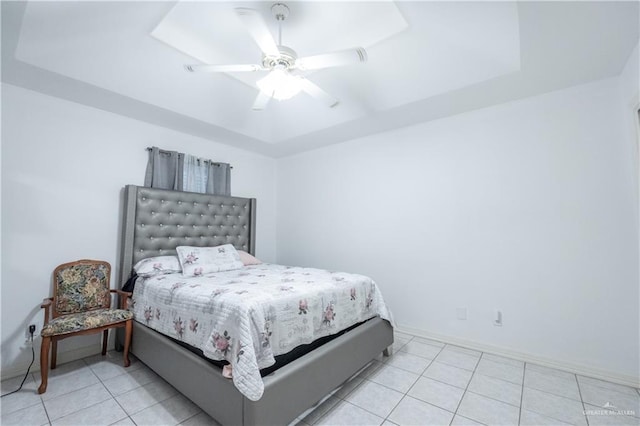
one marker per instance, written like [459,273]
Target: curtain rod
[180,153]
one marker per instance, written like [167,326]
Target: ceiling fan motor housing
[286,59]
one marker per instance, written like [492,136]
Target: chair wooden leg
[54,352]
[44,363]
[105,336]
[128,329]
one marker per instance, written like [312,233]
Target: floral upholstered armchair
[81,304]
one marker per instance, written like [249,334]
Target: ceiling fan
[285,78]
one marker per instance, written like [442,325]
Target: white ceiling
[426,60]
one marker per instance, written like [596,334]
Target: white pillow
[203,260]
[157,265]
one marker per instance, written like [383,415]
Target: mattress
[250,315]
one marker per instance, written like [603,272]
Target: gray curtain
[219,179]
[164,169]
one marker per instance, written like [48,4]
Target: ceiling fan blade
[257,27]
[313,90]
[223,68]
[335,59]
[261,101]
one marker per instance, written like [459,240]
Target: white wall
[629,90]
[63,168]
[527,207]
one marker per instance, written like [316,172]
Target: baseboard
[527,357]
[63,357]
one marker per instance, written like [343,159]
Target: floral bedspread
[247,316]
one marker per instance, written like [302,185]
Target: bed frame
[155,222]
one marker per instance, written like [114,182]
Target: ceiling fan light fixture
[280,84]
[285,79]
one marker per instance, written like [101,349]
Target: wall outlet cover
[461,313]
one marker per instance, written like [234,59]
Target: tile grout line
[524,371]
[467,388]
[112,395]
[497,378]
[366,379]
[196,414]
[58,396]
[390,388]
[584,409]
[492,398]
[444,383]
[555,396]
[46,412]
[411,387]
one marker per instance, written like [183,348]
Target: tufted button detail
[201,215]
[244,226]
[234,206]
[170,213]
[221,205]
[195,204]
[144,199]
[161,225]
[187,214]
[179,202]
[142,225]
[162,201]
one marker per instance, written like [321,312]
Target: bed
[154,223]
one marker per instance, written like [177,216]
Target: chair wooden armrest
[46,304]
[124,295]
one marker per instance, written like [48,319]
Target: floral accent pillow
[203,260]
[157,265]
[247,259]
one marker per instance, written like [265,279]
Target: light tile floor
[425,382]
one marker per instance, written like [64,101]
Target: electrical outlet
[461,313]
[498,319]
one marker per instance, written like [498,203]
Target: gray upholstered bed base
[288,391]
[154,223]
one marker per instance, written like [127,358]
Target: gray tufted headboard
[156,221]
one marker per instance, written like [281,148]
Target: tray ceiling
[426,60]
